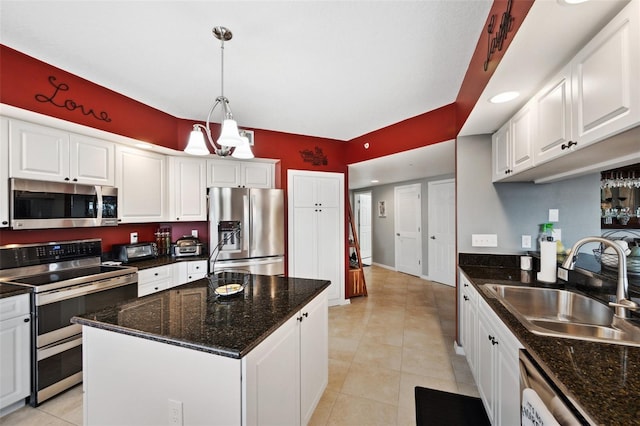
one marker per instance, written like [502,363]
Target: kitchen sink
[564,313]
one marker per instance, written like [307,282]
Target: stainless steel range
[67,279]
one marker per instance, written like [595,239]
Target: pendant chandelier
[231,141]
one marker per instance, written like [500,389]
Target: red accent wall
[426,129]
[476,78]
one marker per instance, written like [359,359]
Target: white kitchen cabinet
[523,133]
[142,188]
[468,301]
[497,372]
[156,279]
[554,118]
[44,153]
[15,346]
[240,174]
[316,228]
[191,270]
[187,189]
[4,172]
[287,373]
[513,144]
[501,150]
[606,82]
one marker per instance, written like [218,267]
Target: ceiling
[333,69]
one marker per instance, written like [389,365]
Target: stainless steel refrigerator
[246,230]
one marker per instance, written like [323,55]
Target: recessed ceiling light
[375,181]
[571,2]
[504,97]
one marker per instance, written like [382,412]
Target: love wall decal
[68,104]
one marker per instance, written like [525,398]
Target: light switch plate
[526,241]
[133,237]
[554,215]
[484,240]
[194,233]
[557,234]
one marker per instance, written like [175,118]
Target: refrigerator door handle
[247,225]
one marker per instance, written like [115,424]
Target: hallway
[383,345]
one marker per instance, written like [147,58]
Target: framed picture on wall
[382,210]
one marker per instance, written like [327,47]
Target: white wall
[513,209]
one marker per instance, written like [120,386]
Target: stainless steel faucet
[622,302]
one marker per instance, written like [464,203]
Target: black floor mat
[438,408]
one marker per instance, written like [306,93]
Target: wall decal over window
[315,157]
[496,41]
[68,104]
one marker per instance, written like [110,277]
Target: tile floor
[380,348]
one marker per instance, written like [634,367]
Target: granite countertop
[602,378]
[191,316]
[9,290]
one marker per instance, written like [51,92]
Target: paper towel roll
[548,262]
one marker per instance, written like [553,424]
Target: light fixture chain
[222,67]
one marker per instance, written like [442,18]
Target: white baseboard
[459,349]
[384,266]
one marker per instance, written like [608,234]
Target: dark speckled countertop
[192,317]
[8,290]
[603,379]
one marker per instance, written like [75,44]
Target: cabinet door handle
[465,297]
[306,314]
[26,320]
[465,285]
[75,179]
[568,145]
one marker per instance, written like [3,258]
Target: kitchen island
[601,379]
[185,356]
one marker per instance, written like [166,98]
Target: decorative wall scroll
[497,41]
[68,104]
[382,209]
[315,157]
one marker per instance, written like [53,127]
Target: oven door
[541,402]
[54,309]
[58,367]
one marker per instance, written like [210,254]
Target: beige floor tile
[323,410]
[29,416]
[378,384]
[337,373]
[65,406]
[342,349]
[375,354]
[351,410]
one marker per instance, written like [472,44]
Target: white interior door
[408,219]
[442,215]
[363,225]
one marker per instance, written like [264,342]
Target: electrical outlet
[526,241]
[133,237]
[484,240]
[194,233]
[175,413]
[554,215]
[556,234]
[563,274]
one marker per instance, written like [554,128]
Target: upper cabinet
[44,153]
[554,118]
[513,144]
[589,103]
[142,189]
[4,172]
[606,79]
[240,174]
[187,189]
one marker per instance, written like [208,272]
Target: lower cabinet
[492,353]
[15,334]
[155,279]
[497,368]
[288,372]
[163,277]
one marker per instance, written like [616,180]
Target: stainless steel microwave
[38,204]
